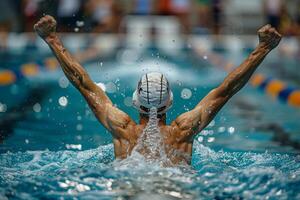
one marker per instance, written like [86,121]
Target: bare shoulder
[117,117]
[186,125]
[187,120]
[118,121]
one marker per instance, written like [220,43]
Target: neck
[144,118]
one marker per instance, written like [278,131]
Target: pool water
[92,174]
[55,149]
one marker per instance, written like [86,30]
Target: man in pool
[153,91]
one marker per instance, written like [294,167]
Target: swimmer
[153,90]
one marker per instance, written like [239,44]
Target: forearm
[73,70]
[241,75]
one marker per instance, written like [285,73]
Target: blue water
[58,151]
[92,174]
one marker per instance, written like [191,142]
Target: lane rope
[32,69]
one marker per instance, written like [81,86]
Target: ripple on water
[92,174]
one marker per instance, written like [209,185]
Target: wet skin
[179,135]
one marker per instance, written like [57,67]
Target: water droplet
[231,130]
[79,127]
[3,107]
[102,86]
[80,23]
[210,139]
[78,137]
[63,82]
[205,57]
[200,139]
[110,87]
[186,93]
[221,129]
[128,101]
[63,101]
[76,29]
[37,107]
[74,146]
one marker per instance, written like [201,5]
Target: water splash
[150,144]
[92,174]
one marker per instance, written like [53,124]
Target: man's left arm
[194,121]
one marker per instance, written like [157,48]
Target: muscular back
[176,149]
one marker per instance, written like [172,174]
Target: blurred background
[195,16]
[194,42]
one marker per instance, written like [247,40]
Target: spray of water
[150,144]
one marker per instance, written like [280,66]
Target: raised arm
[112,118]
[194,121]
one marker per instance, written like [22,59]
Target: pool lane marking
[9,76]
[273,87]
[30,69]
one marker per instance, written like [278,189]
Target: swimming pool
[55,149]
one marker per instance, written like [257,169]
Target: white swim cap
[153,91]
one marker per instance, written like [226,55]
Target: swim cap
[153,91]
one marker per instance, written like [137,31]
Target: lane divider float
[9,77]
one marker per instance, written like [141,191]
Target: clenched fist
[268,37]
[46,26]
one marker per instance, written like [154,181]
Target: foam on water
[92,174]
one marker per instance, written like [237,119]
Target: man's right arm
[98,101]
